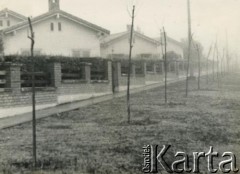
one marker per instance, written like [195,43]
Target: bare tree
[213,62]
[222,61]
[129,67]
[217,56]
[31,37]
[188,62]
[199,66]
[209,52]
[165,63]
[227,53]
[163,57]
[1,47]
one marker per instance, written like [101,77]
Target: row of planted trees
[211,65]
[216,64]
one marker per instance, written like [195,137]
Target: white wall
[121,46]
[174,47]
[72,36]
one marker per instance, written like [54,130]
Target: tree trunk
[129,68]
[33,94]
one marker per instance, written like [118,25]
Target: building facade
[174,47]
[56,33]
[118,45]
[9,18]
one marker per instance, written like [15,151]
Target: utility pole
[191,62]
[129,67]
[189,46]
[31,37]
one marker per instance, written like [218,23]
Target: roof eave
[50,14]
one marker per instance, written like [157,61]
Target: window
[52,26]
[80,53]
[1,23]
[59,26]
[8,23]
[37,52]
[25,52]
[76,53]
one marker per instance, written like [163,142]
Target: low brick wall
[16,100]
[74,92]
[15,96]
[69,92]
[10,99]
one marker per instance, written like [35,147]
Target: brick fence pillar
[133,70]
[109,67]
[181,66]
[13,77]
[177,68]
[163,67]
[87,72]
[154,68]
[169,67]
[116,75]
[56,74]
[144,68]
[185,66]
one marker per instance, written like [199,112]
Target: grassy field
[97,138]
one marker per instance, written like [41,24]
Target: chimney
[53,5]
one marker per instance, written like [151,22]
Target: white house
[56,33]
[172,46]
[118,45]
[9,18]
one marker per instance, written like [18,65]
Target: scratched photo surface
[119,86]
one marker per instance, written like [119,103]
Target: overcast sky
[211,19]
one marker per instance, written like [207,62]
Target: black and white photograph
[119,86]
